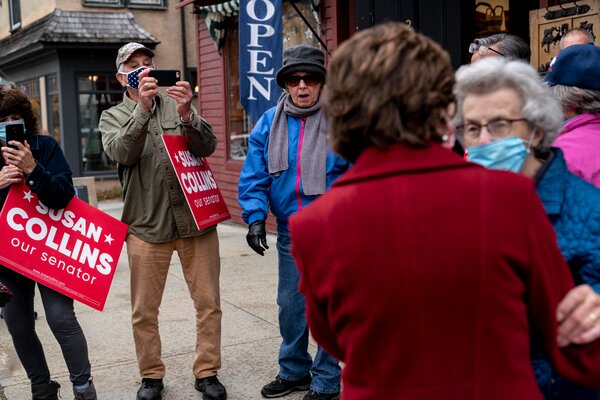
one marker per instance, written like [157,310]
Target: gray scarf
[314,146]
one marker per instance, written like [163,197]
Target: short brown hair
[386,84]
[15,102]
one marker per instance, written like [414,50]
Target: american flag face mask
[133,81]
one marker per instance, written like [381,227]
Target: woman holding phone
[40,162]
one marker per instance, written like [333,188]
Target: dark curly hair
[15,102]
[385,85]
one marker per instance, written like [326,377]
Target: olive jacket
[154,204]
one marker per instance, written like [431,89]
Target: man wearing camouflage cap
[159,219]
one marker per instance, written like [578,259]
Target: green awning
[215,17]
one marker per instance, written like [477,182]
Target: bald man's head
[576,36]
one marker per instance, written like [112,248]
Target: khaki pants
[149,263]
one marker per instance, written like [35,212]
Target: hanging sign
[261,48]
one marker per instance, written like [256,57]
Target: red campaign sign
[196,179]
[74,250]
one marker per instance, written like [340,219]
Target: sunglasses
[309,80]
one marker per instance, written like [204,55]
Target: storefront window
[53,108]
[31,87]
[191,75]
[96,93]
[295,32]
[239,123]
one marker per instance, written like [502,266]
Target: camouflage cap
[126,51]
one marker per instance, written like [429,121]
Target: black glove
[257,236]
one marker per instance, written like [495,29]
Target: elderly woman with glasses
[501,44]
[506,119]
[289,164]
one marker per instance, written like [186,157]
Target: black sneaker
[150,389]
[46,391]
[280,387]
[211,388]
[87,394]
[312,395]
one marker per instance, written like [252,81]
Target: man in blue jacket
[288,166]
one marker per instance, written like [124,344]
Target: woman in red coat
[425,274]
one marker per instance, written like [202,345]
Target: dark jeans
[294,360]
[555,387]
[60,315]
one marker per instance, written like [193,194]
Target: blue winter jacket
[573,206]
[283,193]
[51,178]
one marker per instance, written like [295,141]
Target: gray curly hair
[487,75]
[579,100]
[510,46]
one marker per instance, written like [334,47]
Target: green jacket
[154,205]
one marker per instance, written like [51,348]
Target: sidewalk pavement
[250,337]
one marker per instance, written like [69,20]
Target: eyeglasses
[309,80]
[497,128]
[481,49]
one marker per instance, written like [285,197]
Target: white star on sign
[177,159]
[108,239]
[28,196]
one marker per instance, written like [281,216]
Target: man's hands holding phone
[147,90]
[181,92]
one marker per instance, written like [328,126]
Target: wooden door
[548,25]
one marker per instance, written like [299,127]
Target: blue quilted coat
[573,206]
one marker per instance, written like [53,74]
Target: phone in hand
[15,132]
[166,77]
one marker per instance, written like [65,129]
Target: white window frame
[147,3]
[103,3]
[157,4]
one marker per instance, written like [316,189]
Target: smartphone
[15,132]
[166,77]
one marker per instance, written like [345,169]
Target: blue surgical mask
[507,154]
[3,127]
[133,81]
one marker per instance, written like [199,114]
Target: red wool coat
[425,274]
